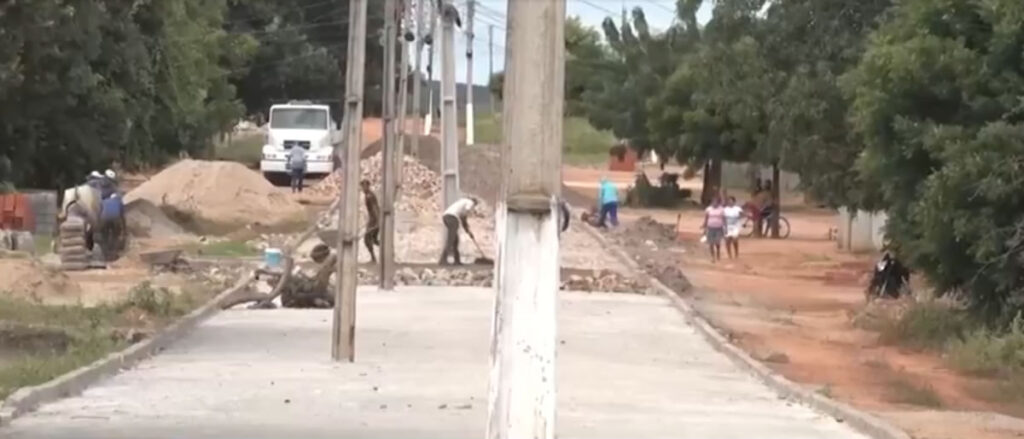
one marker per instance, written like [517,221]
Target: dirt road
[421,371]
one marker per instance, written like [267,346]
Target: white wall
[863,232]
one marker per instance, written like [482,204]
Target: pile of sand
[212,197]
[145,220]
[28,278]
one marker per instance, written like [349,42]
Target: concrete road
[629,366]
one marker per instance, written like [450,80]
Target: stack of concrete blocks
[74,256]
[860,231]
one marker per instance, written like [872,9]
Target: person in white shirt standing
[457,213]
[734,216]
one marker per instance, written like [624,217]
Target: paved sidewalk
[628,367]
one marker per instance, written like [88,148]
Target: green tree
[937,101]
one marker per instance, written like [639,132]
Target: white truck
[300,124]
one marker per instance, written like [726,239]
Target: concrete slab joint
[863,422]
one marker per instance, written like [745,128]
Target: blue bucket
[272,257]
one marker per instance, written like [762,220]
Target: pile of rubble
[603,280]
[420,187]
[595,281]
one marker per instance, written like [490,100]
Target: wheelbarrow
[162,258]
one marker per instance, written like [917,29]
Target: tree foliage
[937,99]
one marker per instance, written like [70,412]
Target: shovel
[481,260]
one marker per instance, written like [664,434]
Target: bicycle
[749,223]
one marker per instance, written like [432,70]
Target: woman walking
[734,216]
[714,227]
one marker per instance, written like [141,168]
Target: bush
[926,325]
[984,352]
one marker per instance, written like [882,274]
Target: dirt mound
[145,220]
[28,278]
[212,197]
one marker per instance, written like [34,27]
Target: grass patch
[925,325]
[225,249]
[904,391]
[987,353]
[583,144]
[92,332]
[245,149]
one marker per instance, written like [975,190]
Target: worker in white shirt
[455,214]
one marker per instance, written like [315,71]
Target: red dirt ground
[791,304]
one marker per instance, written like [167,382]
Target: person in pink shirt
[714,227]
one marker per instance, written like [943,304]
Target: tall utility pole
[449,112]
[521,401]
[429,124]
[417,87]
[470,120]
[387,238]
[343,333]
[490,63]
[403,92]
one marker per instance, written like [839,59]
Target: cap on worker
[111,174]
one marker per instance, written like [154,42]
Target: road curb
[26,399]
[861,421]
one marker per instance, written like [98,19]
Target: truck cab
[299,125]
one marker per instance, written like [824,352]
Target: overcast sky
[660,14]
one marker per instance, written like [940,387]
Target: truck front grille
[289,144]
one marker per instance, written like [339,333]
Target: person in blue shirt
[297,167]
[112,225]
[608,198]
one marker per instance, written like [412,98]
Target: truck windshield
[299,118]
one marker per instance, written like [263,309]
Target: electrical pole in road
[387,237]
[490,63]
[403,92]
[470,120]
[521,401]
[343,333]
[449,112]
[429,125]
[417,87]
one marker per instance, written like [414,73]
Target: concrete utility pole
[490,63]
[429,124]
[470,119]
[343,333]
[417,87]
[449,111]
[521,401]
[403,93]
[387,237]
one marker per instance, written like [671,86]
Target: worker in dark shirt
[112,225]
[372,235]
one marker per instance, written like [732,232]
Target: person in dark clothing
[112,225]
[455,214]
[371,237]
[297,167]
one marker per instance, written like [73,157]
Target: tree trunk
[777,199]
[712,181]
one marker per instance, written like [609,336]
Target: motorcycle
[889,280]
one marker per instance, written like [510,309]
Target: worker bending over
[455,214]
[371,237]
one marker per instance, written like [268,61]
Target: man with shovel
[455,214]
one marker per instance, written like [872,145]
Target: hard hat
[111,174]
[95,174]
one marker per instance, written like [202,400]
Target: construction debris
[577,280]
